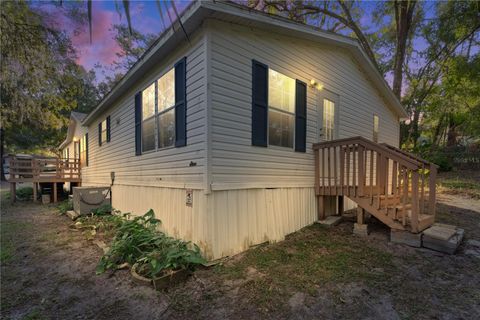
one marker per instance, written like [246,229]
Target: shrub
[138,240]
[104,209]
[65,206]
[24,193]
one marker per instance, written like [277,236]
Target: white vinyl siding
[171,167]
[238,164]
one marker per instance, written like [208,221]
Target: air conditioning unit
[86,199]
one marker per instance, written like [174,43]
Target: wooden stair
[396,187]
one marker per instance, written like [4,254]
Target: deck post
[360,215]
[340,205]
[34,192]
[321,207]
[55,192]
[13,192]
[431,187]
[360,228]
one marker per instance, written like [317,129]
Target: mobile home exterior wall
[261,194]
[242,194]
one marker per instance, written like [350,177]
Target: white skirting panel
[178,219]
[242,218]
[224,223]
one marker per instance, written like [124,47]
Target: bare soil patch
[48,272]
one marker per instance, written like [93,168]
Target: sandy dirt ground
[48,272]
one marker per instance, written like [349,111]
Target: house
[246,127]
[71,147]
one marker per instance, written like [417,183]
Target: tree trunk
[403,19]
[452,133]
[2,150]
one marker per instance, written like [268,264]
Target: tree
[132,45]
[450,38]
[40,80]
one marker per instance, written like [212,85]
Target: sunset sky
[146,19]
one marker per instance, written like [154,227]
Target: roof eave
[194,15]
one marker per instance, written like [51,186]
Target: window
[281,109]
[328,119]
[103,131]
[83,151]
[166,111]
[158,113]
[375,128]
[76,150]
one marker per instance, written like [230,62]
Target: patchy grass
[9,230]
[305,261]
[462,182]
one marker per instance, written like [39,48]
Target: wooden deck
[396,187]
[48,170]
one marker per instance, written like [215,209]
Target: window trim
[324,99]
[281,111]
[104,122]
[376,134]
[156,114]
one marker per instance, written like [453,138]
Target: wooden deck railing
[393,181]
[44,170]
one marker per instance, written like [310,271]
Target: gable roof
[198,11]
[75,118]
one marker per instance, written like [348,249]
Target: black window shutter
[108,129]
[138,123]
[259,103]
[300,116]
[86,149]
[181,103]
[100,134]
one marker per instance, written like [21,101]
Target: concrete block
[406,237]
[45,198]
[330,221]
[443,238]
[440,231]
[360,229]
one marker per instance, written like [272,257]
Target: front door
[327,110]
[327,124]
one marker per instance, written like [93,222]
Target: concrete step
[442,237]
[330,221]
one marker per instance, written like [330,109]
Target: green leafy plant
[137,240]
[65,206]
[172,255]
[24,193]
[104,209]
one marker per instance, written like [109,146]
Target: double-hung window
[103,132]
[281,109]
[158,113]
[166,110]
[148,118]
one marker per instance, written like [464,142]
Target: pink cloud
[103,47]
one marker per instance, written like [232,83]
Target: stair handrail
[410,155]
[407,161]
